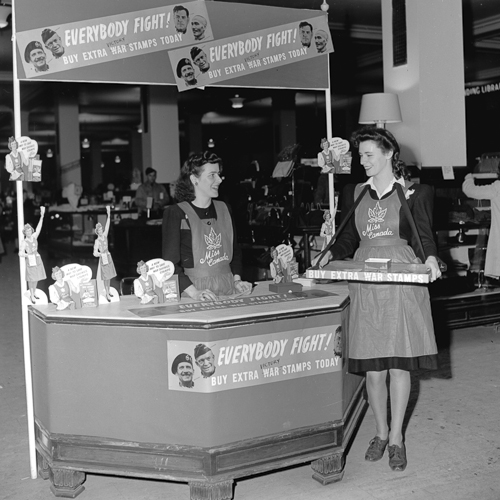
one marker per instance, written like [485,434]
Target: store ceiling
[111,112]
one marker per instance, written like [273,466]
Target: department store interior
[107,131]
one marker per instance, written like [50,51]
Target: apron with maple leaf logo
[390,324]
[212,241]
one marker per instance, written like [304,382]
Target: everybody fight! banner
[58,48]
[249,361]
[208,63]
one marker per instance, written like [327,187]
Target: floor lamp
[379,109]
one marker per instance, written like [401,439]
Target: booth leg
[222,490]
[329,469]
[42,466]
[66,483]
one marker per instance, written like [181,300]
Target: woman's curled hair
[386,142]
[184,189]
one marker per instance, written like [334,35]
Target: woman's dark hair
[386,142]
[184,189]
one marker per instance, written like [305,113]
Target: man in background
[151,195]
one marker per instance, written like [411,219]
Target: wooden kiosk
[107,400]
[105,397]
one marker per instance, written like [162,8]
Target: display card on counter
[357,271]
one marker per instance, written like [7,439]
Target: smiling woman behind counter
[199,236]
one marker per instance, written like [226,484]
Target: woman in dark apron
[390,330]
[199,236]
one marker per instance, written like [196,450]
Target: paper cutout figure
[74,287]
[284,267]
[63,292]
[327,234]
[28,248]
[106,268]
[156,283]
[23,163]
[145,284]
[334,157]
[16,162]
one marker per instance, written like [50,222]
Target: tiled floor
[453,435]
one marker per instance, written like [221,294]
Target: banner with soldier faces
[211,62]
[53,49]
[255,360]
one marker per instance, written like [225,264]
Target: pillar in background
[68,133]
[160,138]
[284,120]
[195,133]
[430,85]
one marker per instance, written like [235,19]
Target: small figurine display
[145,284]
[326,157]
[284,269]
[62,291]
[23,163]
[16,162]
[276,267]
[332,157]
[106,268]
[74,287]
[327,234]
[28,248]
[156,283]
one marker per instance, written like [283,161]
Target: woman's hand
[201,295]
[432,264]
[243,287]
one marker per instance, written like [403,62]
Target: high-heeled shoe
[397,457]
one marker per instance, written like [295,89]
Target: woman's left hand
[243,287]
[433,266]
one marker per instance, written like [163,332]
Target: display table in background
[107,400]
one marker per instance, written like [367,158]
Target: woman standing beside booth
[199,235]
[391,329]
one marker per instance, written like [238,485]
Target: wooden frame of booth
[313,74]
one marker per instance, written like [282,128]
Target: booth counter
[117,389]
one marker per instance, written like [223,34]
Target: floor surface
[452,437]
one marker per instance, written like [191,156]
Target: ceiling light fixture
[117,159]
[5,15]
[85,143]
[49,153]
[237,101]
[211,143]
[324,6]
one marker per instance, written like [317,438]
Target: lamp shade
[380,108]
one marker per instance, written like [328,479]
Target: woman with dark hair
[391,329]
[199,236]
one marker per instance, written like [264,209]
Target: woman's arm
[108,221]
[40,223]
[171,242]
[487,192]
[348,240]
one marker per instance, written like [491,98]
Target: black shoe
[397,457]
[376,449]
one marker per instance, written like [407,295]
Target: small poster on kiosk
[243,362]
